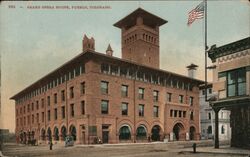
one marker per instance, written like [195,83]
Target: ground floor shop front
[109,130]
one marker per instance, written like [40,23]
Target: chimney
[192,70]
[109,51]
[88,44]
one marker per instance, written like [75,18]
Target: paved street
[121,150]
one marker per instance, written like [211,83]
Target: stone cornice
[240,45]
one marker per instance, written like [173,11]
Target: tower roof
[148,19]
[109,48]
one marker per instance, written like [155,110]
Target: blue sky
[34,42]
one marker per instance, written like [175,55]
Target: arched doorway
[141,133]
[192,133]
[49,134]
[72,131]
[125,133]
[43,134]
[63,132]
[56,134]
[178,131]
[155,133]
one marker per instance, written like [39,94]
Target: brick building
[96,95]
[231,83]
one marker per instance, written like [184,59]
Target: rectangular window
[156,95]
[141,93]
[28,119]
[42,116]
[63,112]
[83,107]
[63,95]
[141,110]
[48,100]
[32,106]
[209,115]
[48,115]
[55,98]
[156,111]
[180,113]
[104,87]
[191,115]
[105,68]
[37,104]
[191,101]
[124,109]
[171,113]
[37,117]
[42,103]
[181,99]
[169,97]
[236,82]
[82,88]
[33,119]
[184,114]
[55,113]
[210,90]
[175,113]
[72,111]
[104,107]
[124,91]
[71,92]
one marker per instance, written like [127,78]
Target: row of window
[145,37]
[71,95]
[181,114]
[145,76]
[63,78]
[141,91]
[104,90]
[63,112]
[124,109]
[222,115]
[209,129]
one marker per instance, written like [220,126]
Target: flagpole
[205,9]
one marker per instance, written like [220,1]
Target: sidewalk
[222,150]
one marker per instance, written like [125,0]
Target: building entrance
[155,133]
[178,128]
[105,137]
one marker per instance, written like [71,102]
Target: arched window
[125,133]
[63,132]
[72,130]
[141,132]
[49,134]
[56,134]
[222,129]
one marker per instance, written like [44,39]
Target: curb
[204,152]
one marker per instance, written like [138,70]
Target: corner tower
[140,37]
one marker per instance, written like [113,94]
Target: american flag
[196,13]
